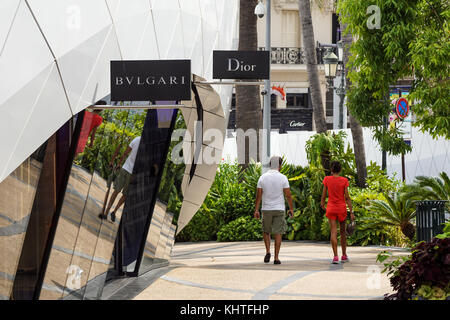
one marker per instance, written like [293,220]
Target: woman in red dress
[336,210]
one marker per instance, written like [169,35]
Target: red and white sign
[402,108]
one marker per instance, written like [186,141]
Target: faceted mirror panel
[148,172]
[84,239]
[17,193]
[169,196]
[48,193]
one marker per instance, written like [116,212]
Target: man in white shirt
[123,179]
[272,188]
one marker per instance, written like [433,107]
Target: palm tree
[248,103]
[398,211]
[304,8]
[430,188]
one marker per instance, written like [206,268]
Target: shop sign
[150,80]
[296,124]
[241,64]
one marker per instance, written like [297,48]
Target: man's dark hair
[275,162]
[336,167]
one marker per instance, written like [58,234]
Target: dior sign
[241,64]
[150,80]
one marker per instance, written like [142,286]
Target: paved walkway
[235,270]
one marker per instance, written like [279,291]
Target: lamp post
[340,91]
[331,62]
[260,11]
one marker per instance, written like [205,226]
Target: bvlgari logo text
[150,80]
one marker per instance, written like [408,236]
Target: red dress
[90,121]
[336,207]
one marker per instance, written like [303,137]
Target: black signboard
[241,64]
[288,119]
[150,80]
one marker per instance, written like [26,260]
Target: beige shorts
[273,221]
[122,181]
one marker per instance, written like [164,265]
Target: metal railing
[286,55]
[293,55]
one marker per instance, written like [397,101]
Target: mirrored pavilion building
[65,160]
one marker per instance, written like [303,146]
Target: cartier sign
[150,80]
[241,64]
[296,124]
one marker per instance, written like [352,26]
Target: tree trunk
[355,127]
[311,65]
[360,156]
[248,103]
[408,229]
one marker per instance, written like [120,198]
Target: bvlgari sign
[150,80]
[241,64]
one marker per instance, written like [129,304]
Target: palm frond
[446,181]
[434,184]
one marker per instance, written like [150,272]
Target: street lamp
[260,11]
[331,61]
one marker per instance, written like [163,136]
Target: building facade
[56,173]
[288,68]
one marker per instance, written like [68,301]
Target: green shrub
[379,181]
[306,190]
[331,146]
[366,232]
[230,197]
[202,227]
[421,275]
[445,232]
[242,229]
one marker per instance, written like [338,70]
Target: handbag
[350,228]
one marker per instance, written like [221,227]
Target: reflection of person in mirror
[91,121]
[123,179]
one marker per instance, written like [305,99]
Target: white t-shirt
[273,182]
[129,163]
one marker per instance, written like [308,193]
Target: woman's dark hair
[100,103]
[336,167]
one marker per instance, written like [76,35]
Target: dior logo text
[235,65]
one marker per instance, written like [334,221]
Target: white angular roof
[55,55]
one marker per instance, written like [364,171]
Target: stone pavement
[235,270]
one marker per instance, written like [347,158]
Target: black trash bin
[430,218]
